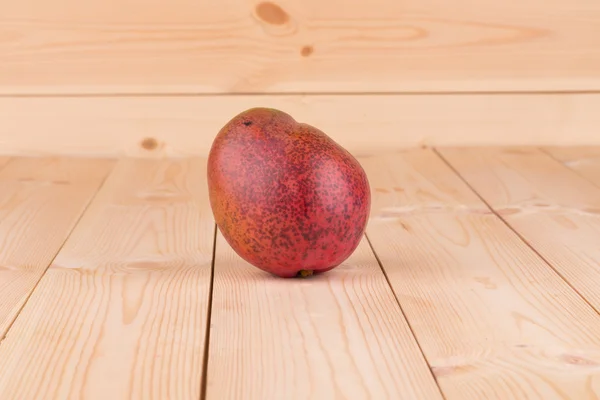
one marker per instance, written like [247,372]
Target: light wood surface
[41,199]
[122,311]
[493,319]
[451,303]
[583,159]
[555,209]
[212,46]
[175,126]
[340,335]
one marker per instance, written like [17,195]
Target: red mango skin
[284,195]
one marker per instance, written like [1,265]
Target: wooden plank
[41,200]
[494,321]
[337,335]
[121,313]
[175,126]
[298,46]
[555,209]
[583,159]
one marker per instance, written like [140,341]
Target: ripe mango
[286,197]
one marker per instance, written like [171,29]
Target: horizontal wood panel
[233,46]
[182,125]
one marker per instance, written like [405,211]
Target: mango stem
[305,273]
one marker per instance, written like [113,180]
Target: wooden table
[478,278]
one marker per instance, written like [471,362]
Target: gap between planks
[206,356]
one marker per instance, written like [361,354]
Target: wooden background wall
[158,76]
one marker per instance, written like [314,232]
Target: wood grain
[121,313]
[493,319]
[583,159]
[176,126]
[298,46]
[41,200]
[555,209]
[4,161]
[337,335]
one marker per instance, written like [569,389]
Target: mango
[286,197]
